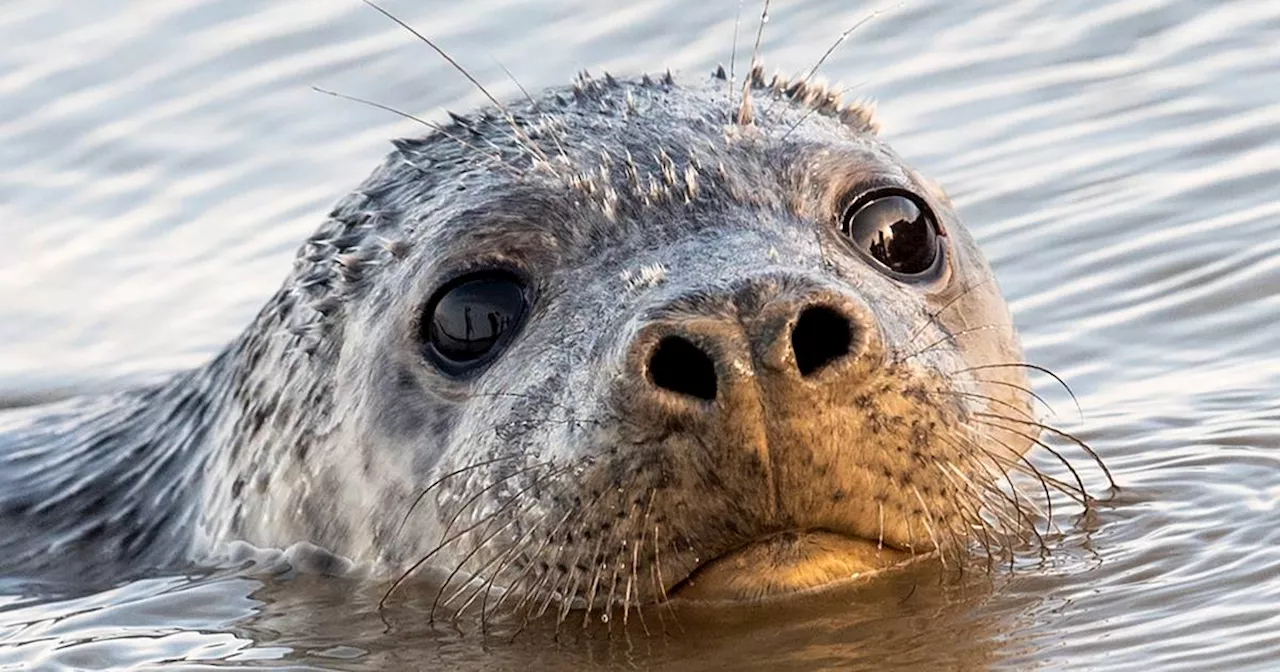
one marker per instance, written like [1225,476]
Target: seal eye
[469,320]
[896,228]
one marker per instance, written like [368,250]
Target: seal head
[615,342]
[620,342]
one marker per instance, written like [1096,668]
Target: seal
[622,341]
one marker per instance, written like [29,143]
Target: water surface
[1118,160]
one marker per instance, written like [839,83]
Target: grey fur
[632,206]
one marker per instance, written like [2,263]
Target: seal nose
[821,335]
[693,355]
[682,367]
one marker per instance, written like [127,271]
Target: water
[1119,161]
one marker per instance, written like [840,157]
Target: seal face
[623,341]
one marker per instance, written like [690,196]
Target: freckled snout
[744,389]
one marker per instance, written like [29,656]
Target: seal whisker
[613,589]
[952,511]
[631,578]
[1009,524]
[911,537]
[519,135]
[925,519]
[435,602]
[988,499]
[530,598]
[733,51]
[951,338]
[531,595]
[955,524]
[880,536]
[745,117]
[533,105]
[1020,464]
[547,537]
[1019,523]
[970,511]
[552,588]
[500,558]
[444,543]
[1031,367]
[433,126]
[1022,388]
[814,110]
[1026,505]
[987,419]
[436,483]
[902,354]
[1097,459]
[602,566]
[827,54]
[571,583]
[935,314]
[453,519]
[570,591]
[528,594]
[658,602]
[566,605]
[568,597]
[595,583]
[663,600]
[840,40]
[626,594]
[636,544]
[984,397]
[985,490]
[515,551]
[1011,497]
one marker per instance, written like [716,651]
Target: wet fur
[544,483]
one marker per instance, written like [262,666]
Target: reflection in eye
[895,230]
[469,319]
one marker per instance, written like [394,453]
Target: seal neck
[111,483]
[271,393]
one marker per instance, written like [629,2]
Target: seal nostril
[821,336]
[682,367]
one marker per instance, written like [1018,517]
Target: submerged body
[627,340]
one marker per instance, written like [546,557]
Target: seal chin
[788,563]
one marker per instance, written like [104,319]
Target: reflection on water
[918,618]
[1118,161]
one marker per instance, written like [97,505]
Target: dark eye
[896,228]
[471,319]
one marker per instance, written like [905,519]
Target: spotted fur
[552,480]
